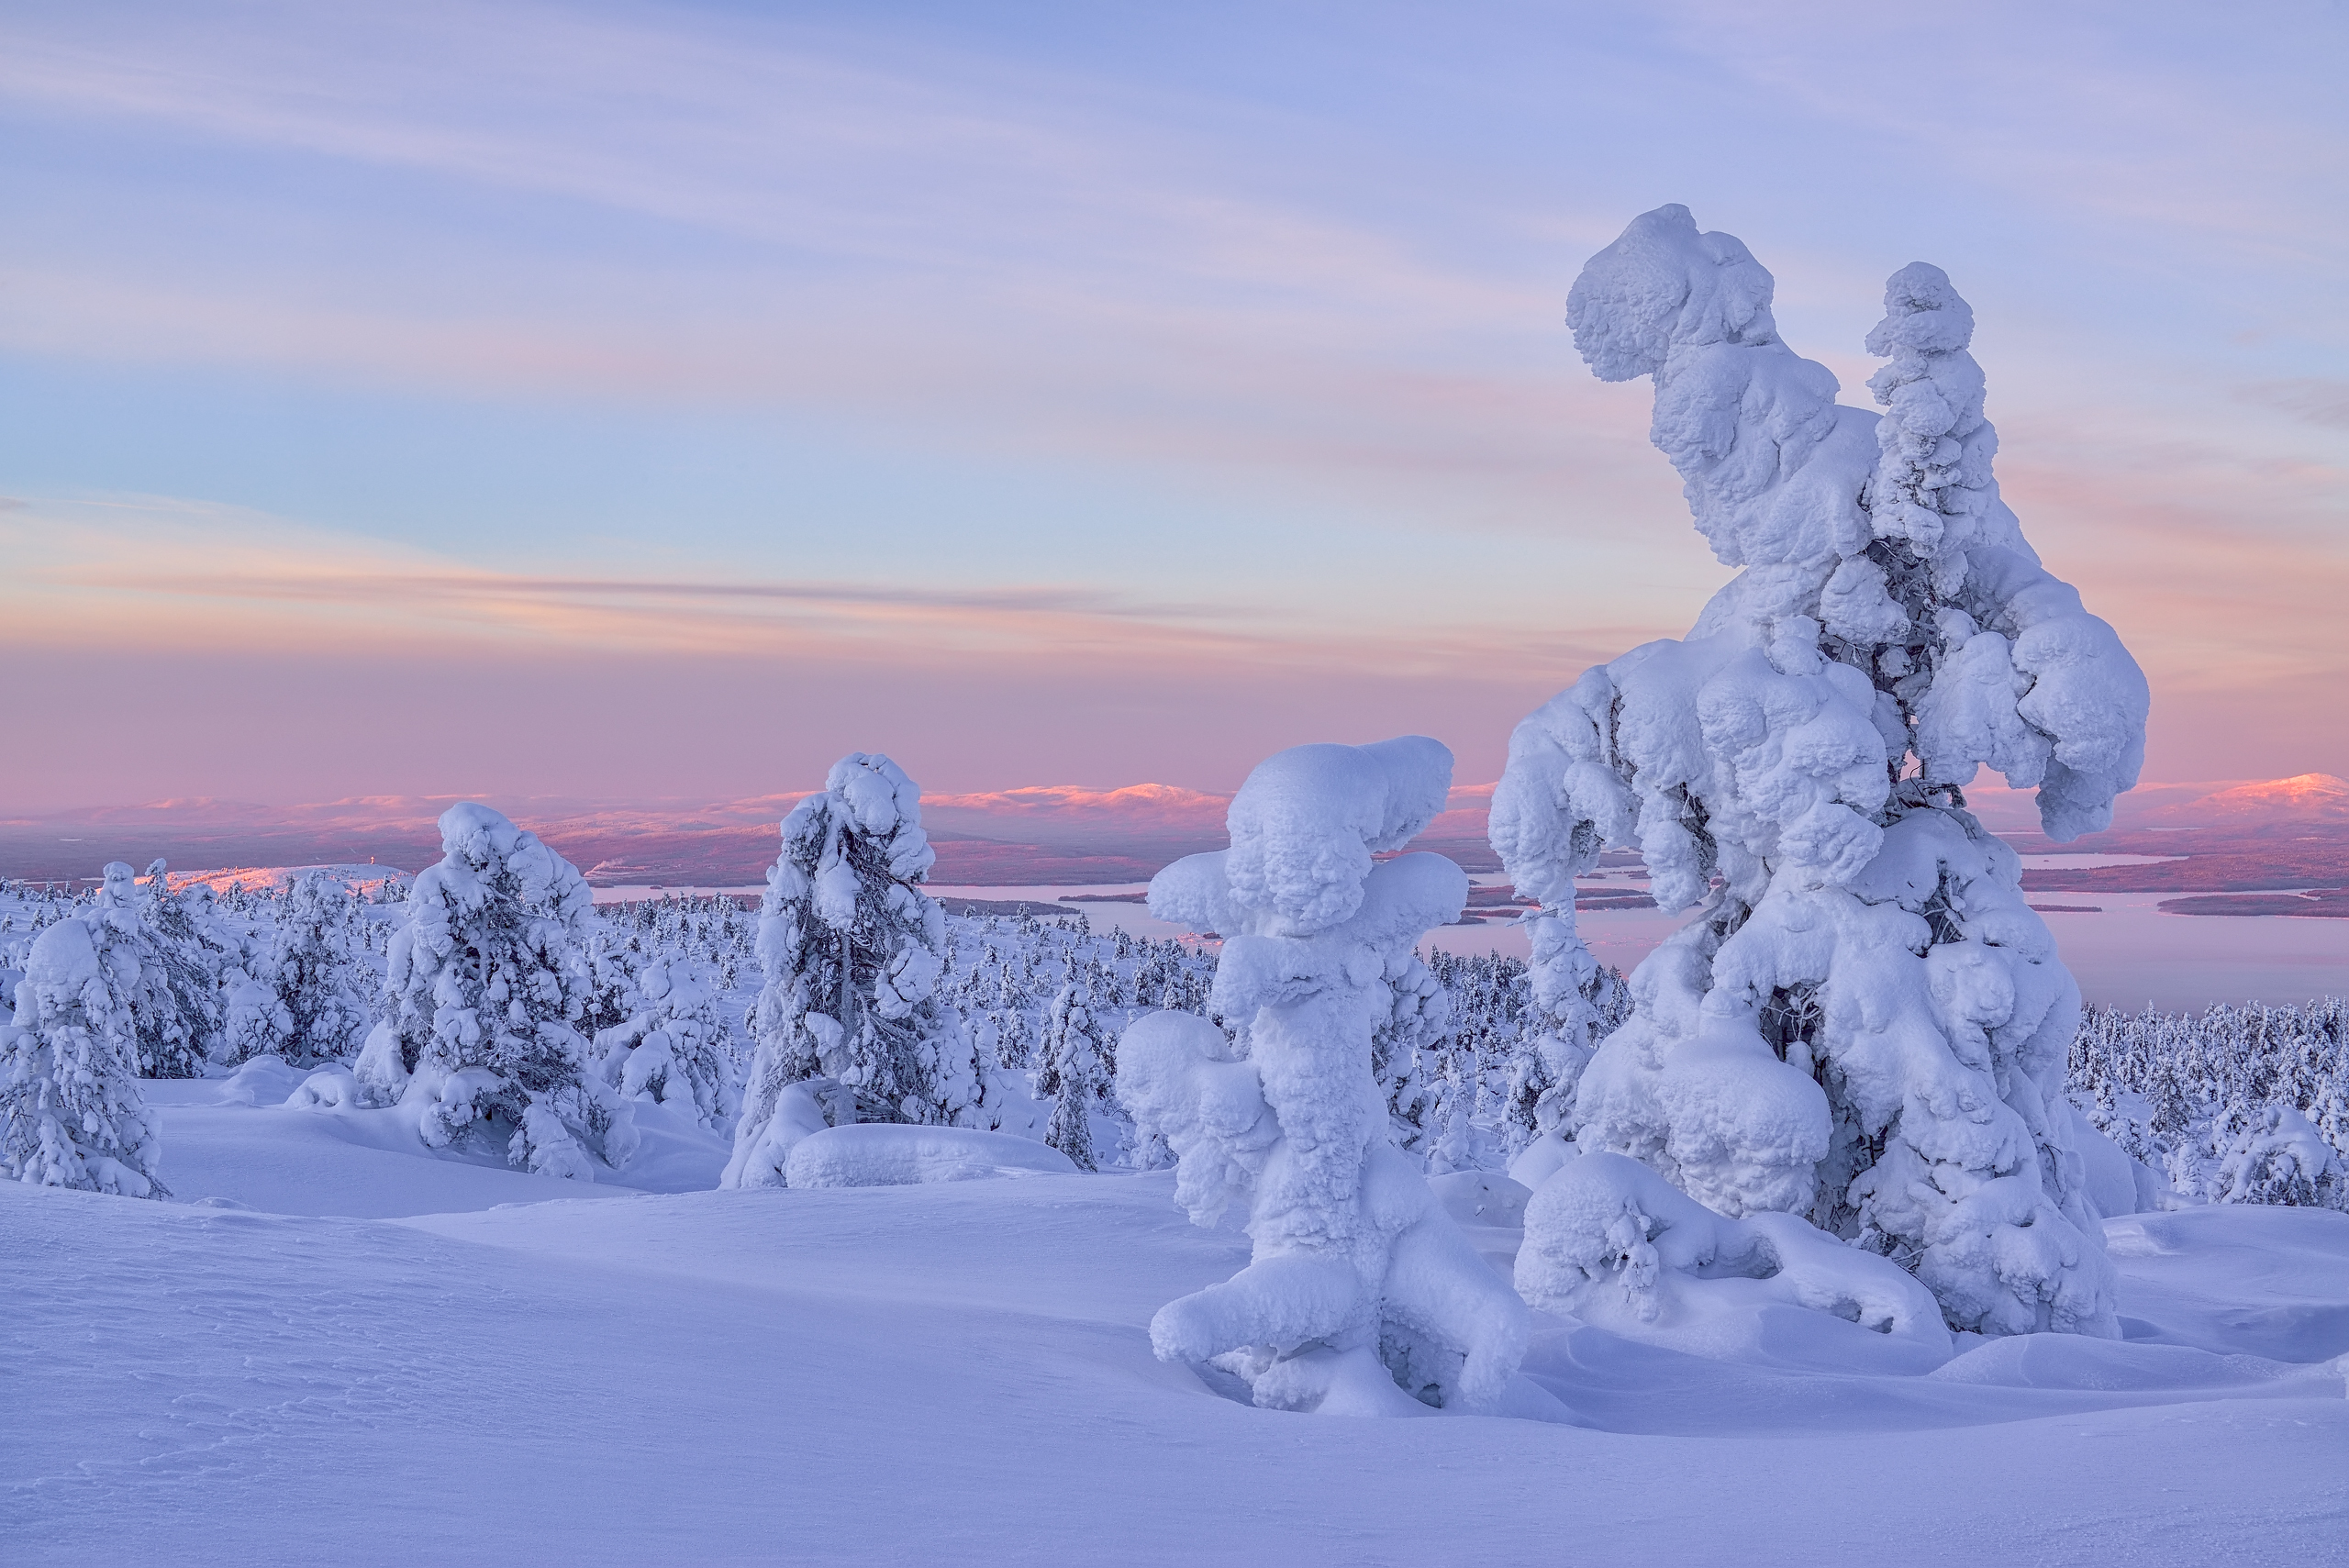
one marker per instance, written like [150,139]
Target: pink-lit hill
[2259,837]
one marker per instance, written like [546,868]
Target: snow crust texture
[1355,1262]
[1867,1025]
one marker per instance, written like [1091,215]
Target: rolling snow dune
[962,1374]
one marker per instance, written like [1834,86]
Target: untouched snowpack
[339,1346]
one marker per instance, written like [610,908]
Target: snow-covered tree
[854,952]
[188,955]
[71,1115]
[1360,1282]
[1402,1045]
[1867,1025]
[673,1047]
[2275,1156]
[615,956]
[304,998]
[1074,1076]
[483,998]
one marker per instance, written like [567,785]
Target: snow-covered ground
[338,1346]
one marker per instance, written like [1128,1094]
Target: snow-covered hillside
[495,1367]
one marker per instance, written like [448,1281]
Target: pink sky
[657,403]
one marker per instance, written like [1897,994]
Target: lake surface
[2128,955]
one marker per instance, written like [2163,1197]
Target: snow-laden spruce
[1074,1078]
[672,1047]
[1867,1025]
[302,997]
[71,1115]
[853,950]
[483,996]
[1355,1262]
[191,957]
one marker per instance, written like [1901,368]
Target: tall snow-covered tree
[1867,1025]
[1075,1075]
[187,956]
[482,996]
[854,952]
[71,1115]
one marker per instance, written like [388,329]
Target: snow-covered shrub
[1868,1025]
[1612,1243]
[258,1023]
[853,950]
[673,1047]
[2275,1156]
[482,1000]
[303,999]
[68,1089]
[1075,1077]
[1355,1263]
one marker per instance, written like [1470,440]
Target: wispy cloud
[2319,400]
[165,573]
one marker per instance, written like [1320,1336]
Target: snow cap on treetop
[475,838]
[1305,824]
[1921,311]
[884,805]
[1661,287]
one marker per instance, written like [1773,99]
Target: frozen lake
[2128,955]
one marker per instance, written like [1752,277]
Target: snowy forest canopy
[295,971]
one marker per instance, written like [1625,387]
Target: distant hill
[2303,798]
[2254,837]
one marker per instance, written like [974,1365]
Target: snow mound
[264,1081]
[2196,1271]
[1609,1241]
[890,1154]
[1482,1197]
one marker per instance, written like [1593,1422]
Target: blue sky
[662,399]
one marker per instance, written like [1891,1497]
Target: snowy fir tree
[482,998]
[69,1068]
[616,956]
[672,1048]
[188,955]
[1074,1076]
[1402,1047]
[305,997]
[854,952]
[1867,1027]
[1361,1291]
